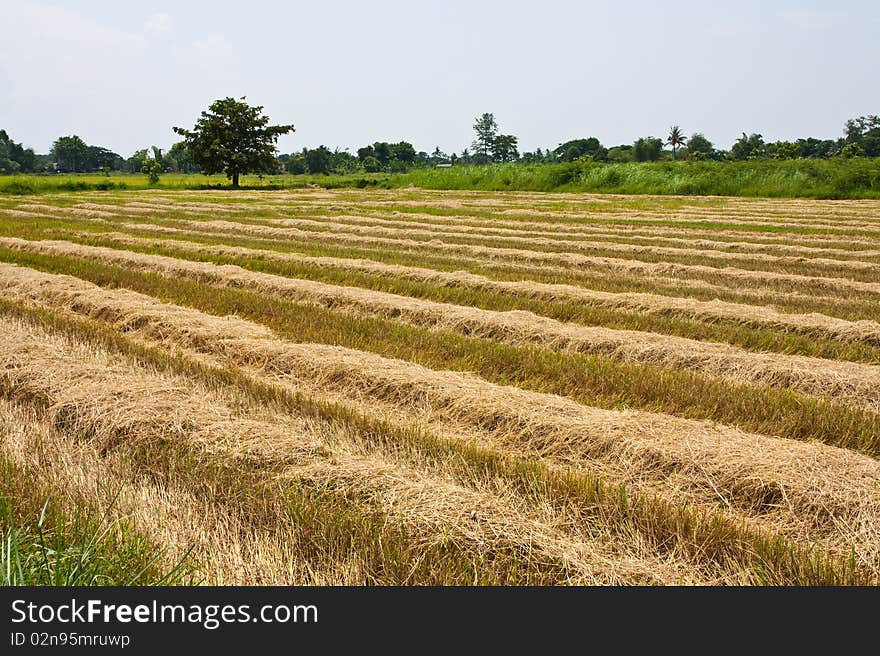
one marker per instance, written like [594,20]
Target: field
[834,178]
[438,387]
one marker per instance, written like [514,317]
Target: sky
[347,73]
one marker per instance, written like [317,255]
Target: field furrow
[813,325]
[849,382]
[406,386]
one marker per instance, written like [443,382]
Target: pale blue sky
[346,73]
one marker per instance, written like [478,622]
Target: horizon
[388,73]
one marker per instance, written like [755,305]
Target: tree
[856,128]
[487,130]
[232,137]
[785,150]
[675,139]
[151,168]
[179,159]
[296,164]
[318,160]
[15,158]
[647,149]
[577,148]
[403,151]
[504,148]
[851,150]
[748,147]
[812,147]
[136,161]
[70,153]
[371,164]
[864,131]
[394,157]
[699,147]
[438,156]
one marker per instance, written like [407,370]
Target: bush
[19,186]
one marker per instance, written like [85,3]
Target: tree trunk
[235,180]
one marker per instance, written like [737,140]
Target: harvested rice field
[432,387]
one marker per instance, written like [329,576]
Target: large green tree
[70,153]
[504,148]
[232,137]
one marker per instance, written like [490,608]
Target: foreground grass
[800,178]
[44,545]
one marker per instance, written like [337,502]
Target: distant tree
[486,129]
[675,139]
[180,159]
[342,161]
[856,128]
[15,158]
[151,168]
[395,157]
[403,151]
[371,164]
[504,148]
[748,147]
[296,164]
[318,160]
[232,137]
[382,152]
[7,165]
[70,153]
[98,158]
[620,154]
[851,150]
[647,149]
[532,157]
[811,147]
[785,150]
[136,161]
[698,143]
[578,148]
[864,131]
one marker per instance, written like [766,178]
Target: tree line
[233,137]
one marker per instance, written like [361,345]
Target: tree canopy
[647,149]
[675,139]
[578,148]
[15,158]
[486,129]
[233,137]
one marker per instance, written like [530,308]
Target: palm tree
[675,139]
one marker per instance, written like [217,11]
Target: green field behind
[801,178]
